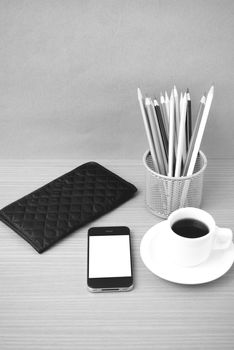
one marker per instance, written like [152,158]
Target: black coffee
[190,228]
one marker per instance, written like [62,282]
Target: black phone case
[55,210]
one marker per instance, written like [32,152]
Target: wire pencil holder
[165,194]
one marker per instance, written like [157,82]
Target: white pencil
[181,137]
[171,138]
[167,105]
[177,116]
[194,135]
[201,129]
[181,101]
[148,131]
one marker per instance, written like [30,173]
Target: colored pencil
[188,121]
[181,138]
[177,116]
[173,144]
[167,105]
[158,144]
[184,153]
[164,113]
[148,131]
[161,126]
[194,135]
[171,138]
[201,129]
[198,139]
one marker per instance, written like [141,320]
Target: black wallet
[53,211]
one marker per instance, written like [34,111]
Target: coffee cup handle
[223,238]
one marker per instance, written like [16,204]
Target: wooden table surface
[44,302]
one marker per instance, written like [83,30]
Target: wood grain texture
[44,302]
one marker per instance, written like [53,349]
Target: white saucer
[154,257]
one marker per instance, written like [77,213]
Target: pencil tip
[211,91]
[139,93]
[203,99]
[147,101]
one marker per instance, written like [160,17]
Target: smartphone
[109,259]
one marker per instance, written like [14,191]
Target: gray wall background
[69,71]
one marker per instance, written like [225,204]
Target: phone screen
[109,256]
[109,259]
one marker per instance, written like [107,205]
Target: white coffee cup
[185,251]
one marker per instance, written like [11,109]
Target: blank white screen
[109,256]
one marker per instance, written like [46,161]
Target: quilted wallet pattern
[53,211]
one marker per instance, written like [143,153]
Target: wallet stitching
[131,189]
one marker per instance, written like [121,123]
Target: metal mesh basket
[165,194]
